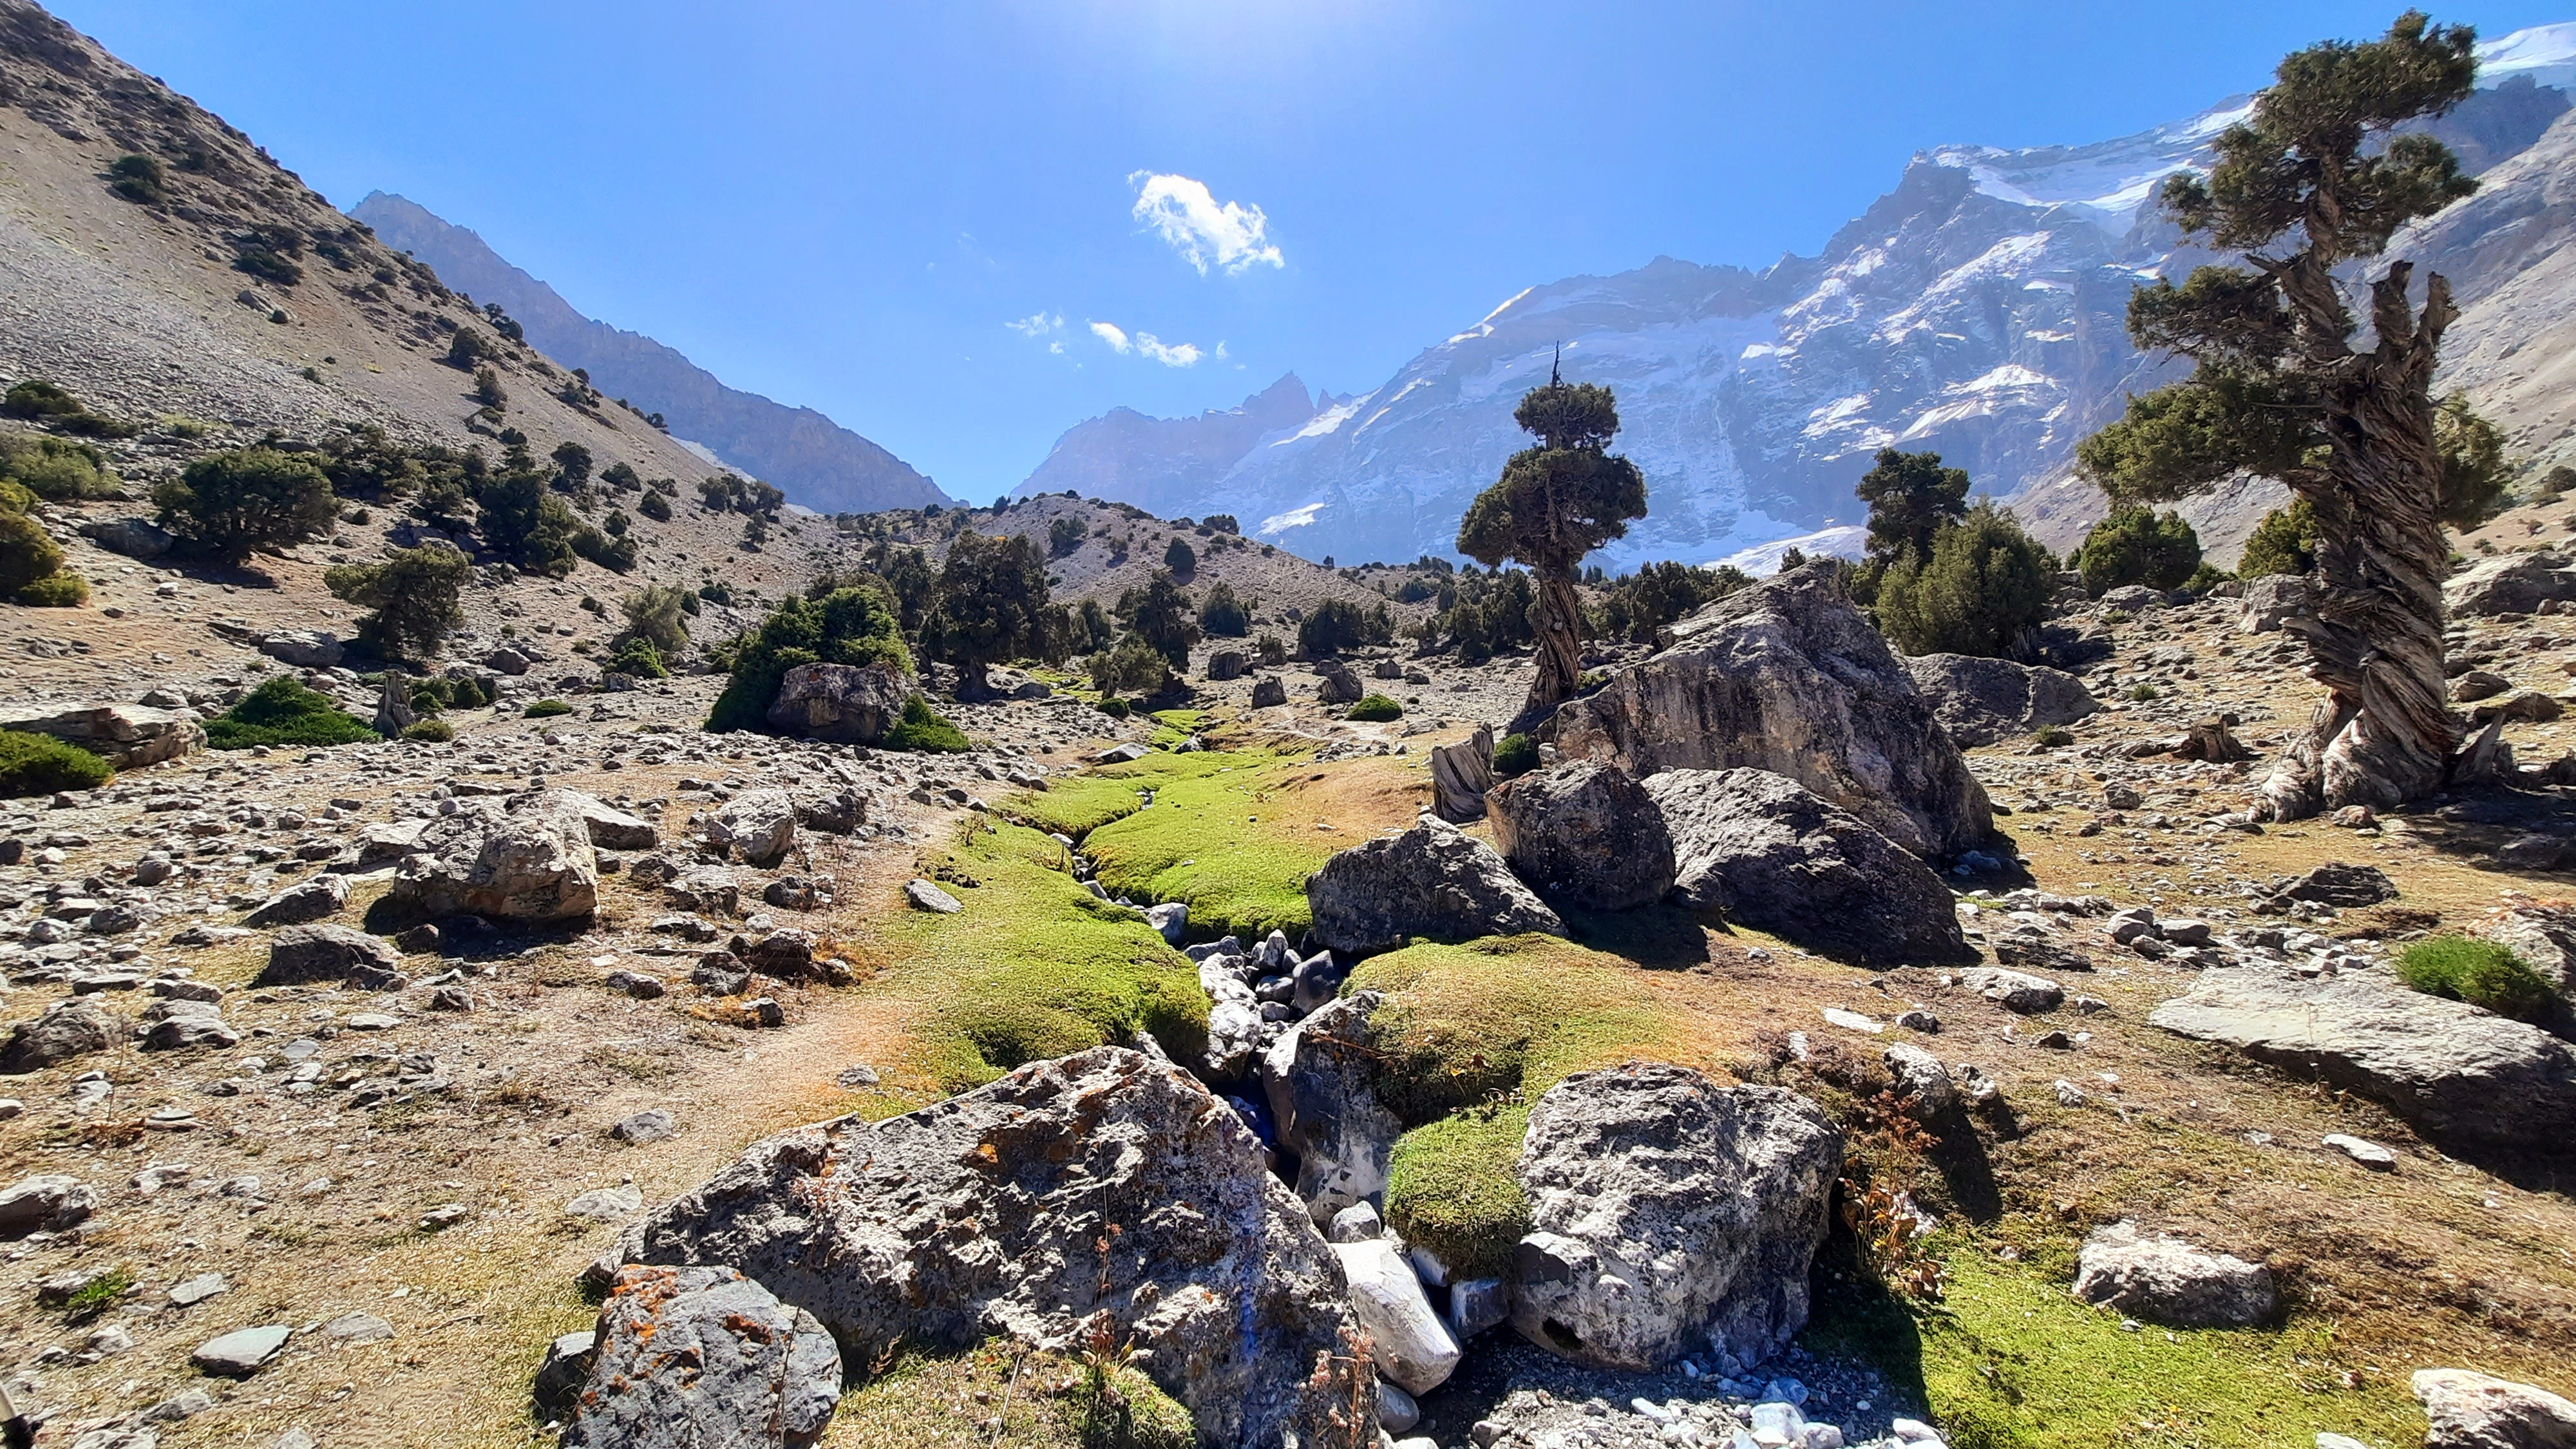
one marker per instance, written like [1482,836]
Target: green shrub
[1516,755]
[27,552]
[2141,692]
[413,595]
[41,765]
[1986,585]
[1222,615]
[1374,708]
[284,712]
[2052,737]
[55,469]
[2206,577]
[924,729]
[654,506]
[856,625]
[2285,542]
[2480,973]
[137,178]
[55,591]
[617,555]
[638,657]
[2137,546]
[228,504]
[39,399]
[268,266]
[1338,624]
[1271,651]
[533,527]
[1134,667]
[1115,708]
[547,709]
[434,731]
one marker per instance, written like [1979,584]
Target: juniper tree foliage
[990,605]
[1910,495]
[1555,503]
[2317,178]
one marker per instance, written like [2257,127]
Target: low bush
[434,731]
[27,552]
[638,657]
[2480,973]
[56,469]
[284,712]
[1375,707]
[228,504]
[41,765]
[2138,546]
[138,178]
[412,596]
[2285,542]
[55,591]
[546,709]
[1516,755]
[924,729]
[1114,707]
[654,506]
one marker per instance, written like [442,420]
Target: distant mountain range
[817,462]
[1976,310]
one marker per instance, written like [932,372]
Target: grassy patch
[1375,708]
[1042,1400]
[2011,1361]
[1171,726]
[2480,973]
[98,1295]
[1033,967]
[1453,1186]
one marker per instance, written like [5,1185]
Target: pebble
[651,1125]
[199,1289]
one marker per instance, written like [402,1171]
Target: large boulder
[982,1216]
[2465,1409]
[311,955]
[307,900]
[757,825]
[611,828]
[49,1202]
[132,537]
[1269,690]
[509,858]
[72,1027]
[304,648]
[2457,1071]
[2272,601]
[1788,676]
[2545,938]
[1668,1213]
[1431,880]
[2514,583]
[704,1358]
[2168,1281]
[847,704]
[1766,852]
[1585,834]
[1337,685]
[1413,1347]
[1317,1077]
[1982,700]
[128,736]
[1460,776]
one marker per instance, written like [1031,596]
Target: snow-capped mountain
[1165,465]
[1976,310]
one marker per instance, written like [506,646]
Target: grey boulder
[2470,1410]
[1584,834]
[309,900]
[307,955]
[132,537]
[847,704]
[2168,1281]
[1337,684]
[1431,880]
[1317,1078]
[48,1202]
[1770,854]
[704,1358]
[1788,676]
[128,736]
[757,825]
[2456,1071]
[611,828]
[240,1353]
[2514,583]
[2017,991]
[979,1217]
[526,858]
[1411,1345]
[1267,691]
[73,1027]
[303,648]
[1981,700]
[2272,601]
[1668,1213]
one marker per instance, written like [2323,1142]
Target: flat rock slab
[240,1353]
[2168,1281]
[2453,1069]
[927,897]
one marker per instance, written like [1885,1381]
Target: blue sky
[847,205]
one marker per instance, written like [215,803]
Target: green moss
[1035,967]
[283,712]
[2480,973]
[2011,1361]
[1453,1186]
[1218,837]
[56,591]
[1515,755]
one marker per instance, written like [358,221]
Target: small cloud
[1056,347]
[1233,235]
[1112,334]
[1147,345]
[1037,324]
[1220,349]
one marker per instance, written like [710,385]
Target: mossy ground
[1003,1397]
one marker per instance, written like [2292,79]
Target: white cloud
[1037,324]
[1112,334]
[1150,347]
[1234,235]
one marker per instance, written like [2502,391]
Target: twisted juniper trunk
[2384,734]
[1560,651]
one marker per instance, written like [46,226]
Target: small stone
[354,1328]
[1358,1223]
[198,1289]
[650,1125]
[928,897]
[857,1076]
[2368,1154]
[608,1204]
[240,1353]
[446,1215]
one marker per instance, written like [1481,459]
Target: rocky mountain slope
[1167,465]
[1976,310]
[820,464]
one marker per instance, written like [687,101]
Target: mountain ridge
[817,462]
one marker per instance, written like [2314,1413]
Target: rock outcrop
[704,1358]
[982,1215]
[1582,833]
[128,736]
[72,1027]
[1767,853]
[1668,1213]
[2458,1072]
[1788,676]
[1982,700]
[2465,1409]
[2514,583]
[1317,1079]
[757,825]
[2168,1281]
[1431,880]
[514,858]
[847,704]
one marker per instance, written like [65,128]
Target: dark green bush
[55,469]
[654,506]
[412,595]
[27,552]
[1986,585]
[638,657]
[846,626]
[1134,667]
[55,591]
[268,266]
[926,730]
[617,555]
[1222,615]
[1515,755]
[138,178]
[41,765]
[37,398]
[1115,708]
[1064,536]
[2480,973]
[547,709]
[435,731]
[1374,708]
[228,504]
[284,712]
[1338,624]
[2138,546]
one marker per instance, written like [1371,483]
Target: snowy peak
[2543,54]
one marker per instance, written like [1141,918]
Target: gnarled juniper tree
[1554,504]
[2285,386]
